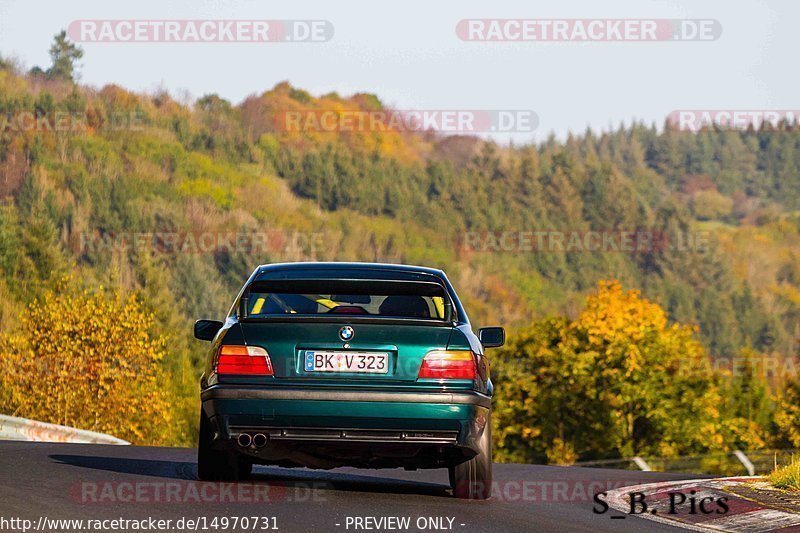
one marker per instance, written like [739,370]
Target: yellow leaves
[633,360]
[561,453]
[619,379]
[711,411]
[612,314]
[531,433]
[787,415]
[628,332]
[87,360]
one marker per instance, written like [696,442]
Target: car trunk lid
[352,345]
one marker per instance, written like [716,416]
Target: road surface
[43,482]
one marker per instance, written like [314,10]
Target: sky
[409,54]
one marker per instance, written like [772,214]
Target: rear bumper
[375,425]
[229,392]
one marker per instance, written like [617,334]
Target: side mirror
[206,330]
[492,337]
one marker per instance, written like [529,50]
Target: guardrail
[13,428]
[735,463]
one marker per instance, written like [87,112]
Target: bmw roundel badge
[346,333]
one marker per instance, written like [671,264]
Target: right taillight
[247,360]
[448,364]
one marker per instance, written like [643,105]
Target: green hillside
[723,206]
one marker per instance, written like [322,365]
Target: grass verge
[787,477]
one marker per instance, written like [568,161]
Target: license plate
[355,362]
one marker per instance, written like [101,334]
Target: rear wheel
[217,465]
[472,480]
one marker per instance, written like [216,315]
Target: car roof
[327,265]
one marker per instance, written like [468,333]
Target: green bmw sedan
[322,365]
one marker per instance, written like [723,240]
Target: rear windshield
[380,298]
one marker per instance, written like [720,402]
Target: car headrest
[406,306]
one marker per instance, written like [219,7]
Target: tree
[749,412]
[711,205]
[787,415]
[87,360]
[64,54]
[617,381]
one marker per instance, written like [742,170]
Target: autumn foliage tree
[787,416]
[87,360]
[617,381]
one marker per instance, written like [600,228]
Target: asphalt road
[44,481]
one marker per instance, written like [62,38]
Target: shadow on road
[287,478]
[125,465]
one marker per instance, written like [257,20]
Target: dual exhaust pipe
[259,440]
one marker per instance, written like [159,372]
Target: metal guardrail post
[641,463]
[751,470]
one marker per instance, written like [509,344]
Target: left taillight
[247,360]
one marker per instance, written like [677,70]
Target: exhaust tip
[260,440]
[244,440]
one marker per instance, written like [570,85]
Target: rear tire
[217,465]
[472,480]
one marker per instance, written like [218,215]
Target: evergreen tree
[63,54]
